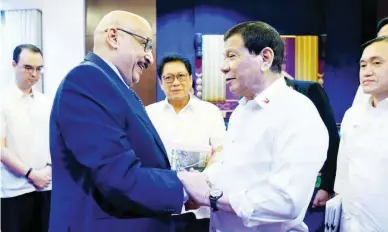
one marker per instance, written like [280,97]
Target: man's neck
[26,90]
[178,105]
[269,79]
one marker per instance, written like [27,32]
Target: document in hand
[188,158]
[333,214]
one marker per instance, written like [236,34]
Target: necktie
[136,96]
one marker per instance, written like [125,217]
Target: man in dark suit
[314,91]
[110,168]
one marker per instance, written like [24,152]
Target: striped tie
[137,97]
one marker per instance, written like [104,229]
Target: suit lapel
[289,83]
[142,114]
[132,100]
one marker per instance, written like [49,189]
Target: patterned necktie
[137,97]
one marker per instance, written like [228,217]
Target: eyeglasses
[30,69]
[148,41]
[170,78]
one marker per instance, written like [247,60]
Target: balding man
[111,170]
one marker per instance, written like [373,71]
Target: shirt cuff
[239,203]
[185,196]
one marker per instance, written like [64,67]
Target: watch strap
[213,202]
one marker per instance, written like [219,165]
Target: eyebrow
[371,58]
[40,66]
[175,73]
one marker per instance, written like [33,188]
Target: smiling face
[241,68]
[374,69]
[132,56]
[176,81]
[124,39]
[245,72]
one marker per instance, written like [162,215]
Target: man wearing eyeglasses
[25,158]
[110,167]
[186,122]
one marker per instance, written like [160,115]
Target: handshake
[197,186]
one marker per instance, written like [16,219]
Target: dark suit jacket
[318,96]
[110,168]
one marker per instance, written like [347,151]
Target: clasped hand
[197,186]
[41,178]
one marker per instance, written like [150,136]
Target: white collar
[189,104]
[380,104]
[116,70]
[18,93]
[268,95]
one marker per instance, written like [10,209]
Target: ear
[268,57]
[14,64]
[111,37]
[160,83]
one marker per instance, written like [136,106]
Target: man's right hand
[40,178]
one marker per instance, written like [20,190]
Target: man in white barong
[276,142]
[362,168]
[382,30]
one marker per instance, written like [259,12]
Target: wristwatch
[214,195]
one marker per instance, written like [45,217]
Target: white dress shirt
[361,97]
[362,168]
[275,146]
[24,123]
[198,125]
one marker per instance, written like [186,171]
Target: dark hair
[375,40]
[21,47]
[174,58]
[382,23]
[258,35]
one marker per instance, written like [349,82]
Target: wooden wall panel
[96,9]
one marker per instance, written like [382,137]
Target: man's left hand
[321,198]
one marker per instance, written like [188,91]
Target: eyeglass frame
[176,77]
[30,69]
[148,43]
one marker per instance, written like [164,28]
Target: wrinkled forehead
[234,42]
[174,68]
[378,50]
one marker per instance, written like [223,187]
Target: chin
[233,89]
[176,97]
[135,79]
[368,90]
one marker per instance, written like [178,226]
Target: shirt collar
[266,97]
[189,105]
[383,103]
[116,70]
[18,93]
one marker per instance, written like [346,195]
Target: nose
[225,68]
[176,82]
[149,57]
[34,73]
[368,70]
